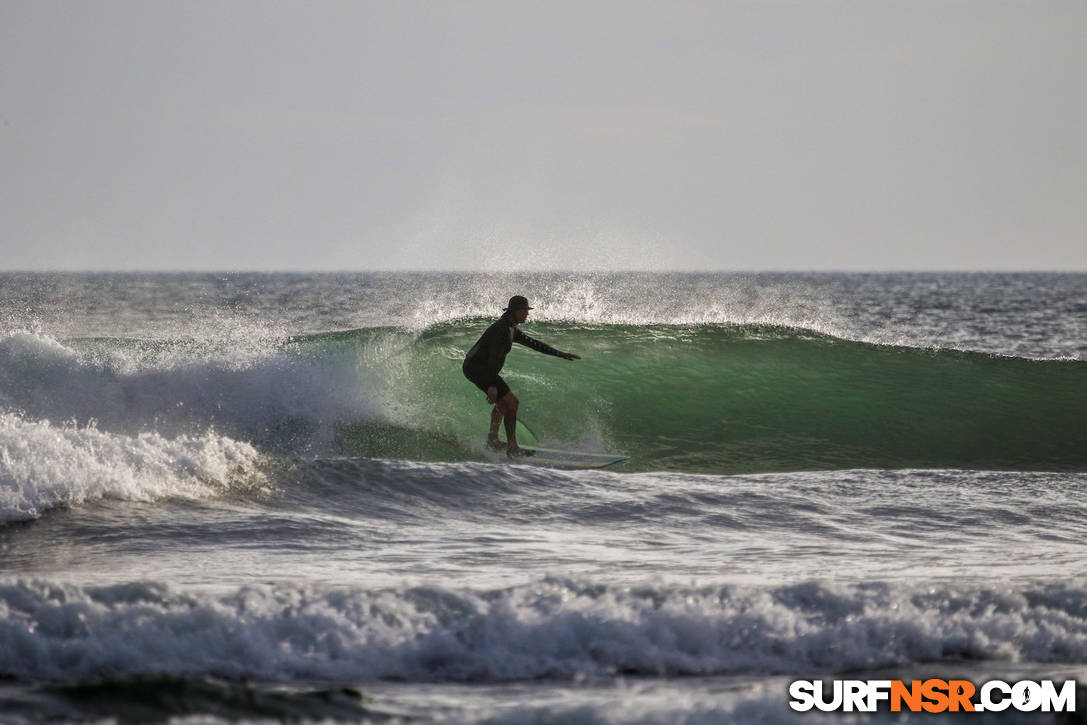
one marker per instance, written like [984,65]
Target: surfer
[484,361]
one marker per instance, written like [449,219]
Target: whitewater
[266,497]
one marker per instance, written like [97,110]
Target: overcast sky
[724,135]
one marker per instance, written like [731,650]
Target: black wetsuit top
[488,355]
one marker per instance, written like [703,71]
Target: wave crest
[44,466]
[554,629]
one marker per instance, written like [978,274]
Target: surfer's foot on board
[519,452]
[493,443]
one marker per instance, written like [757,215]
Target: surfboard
[525,435]
[554,458]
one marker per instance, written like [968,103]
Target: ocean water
[265,497]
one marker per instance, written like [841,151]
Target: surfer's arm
[523,339]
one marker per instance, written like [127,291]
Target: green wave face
[731,399]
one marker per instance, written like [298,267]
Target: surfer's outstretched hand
[571,356]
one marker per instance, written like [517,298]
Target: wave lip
[552,629]
[44,466]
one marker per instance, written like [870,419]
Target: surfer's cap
[517,302]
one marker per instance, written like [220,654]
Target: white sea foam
[551,629]
[43,466]
[252,394]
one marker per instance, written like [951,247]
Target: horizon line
[752,270]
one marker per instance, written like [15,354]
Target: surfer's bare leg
[508,407]
[496,419]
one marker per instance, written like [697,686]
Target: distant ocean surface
[265,497]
